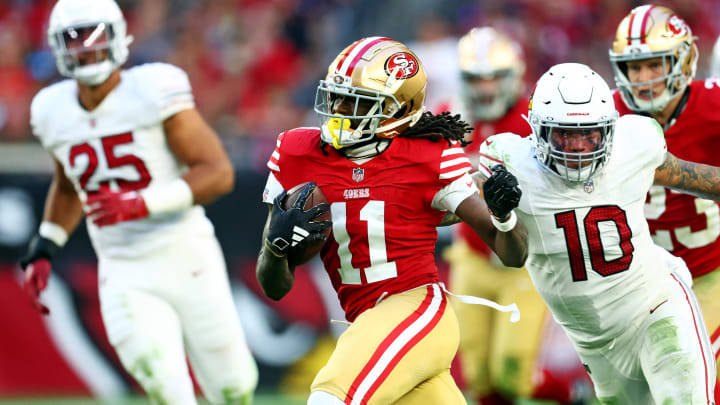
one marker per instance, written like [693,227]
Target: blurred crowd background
[254,64]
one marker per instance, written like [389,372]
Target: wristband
[54,232]
[170,197]
[504,226]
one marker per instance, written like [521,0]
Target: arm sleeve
[450,196]
[36,121]
[273,188]
[173,92]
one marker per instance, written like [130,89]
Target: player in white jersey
[584,175]
[133,154]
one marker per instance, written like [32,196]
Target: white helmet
[572,96]
[107,33]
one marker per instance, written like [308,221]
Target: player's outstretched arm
[698,179]
[63,212]
[196,144]
[511,246]
[272,271]
[505,236]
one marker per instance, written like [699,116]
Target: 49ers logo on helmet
[405,63]
[677,25]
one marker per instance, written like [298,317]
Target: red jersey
[512,121]
[688,226]
[383,235]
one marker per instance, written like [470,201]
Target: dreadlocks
[441,126]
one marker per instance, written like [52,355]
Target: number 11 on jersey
[373,213]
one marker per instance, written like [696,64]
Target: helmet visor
[85,45]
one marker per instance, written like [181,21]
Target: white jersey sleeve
[639,143]
[44,107]
[450,196]
[37,107]
[498,150]
[273,188]
[169,88]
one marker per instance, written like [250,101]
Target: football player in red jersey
[654,59]
[391,173]
[500,359]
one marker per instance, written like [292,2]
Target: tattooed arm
[692,178]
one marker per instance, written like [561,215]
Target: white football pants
[667,359]
[177,301]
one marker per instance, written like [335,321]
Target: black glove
[39,248]
[291,227]
[502,193]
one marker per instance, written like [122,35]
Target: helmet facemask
[85,52]
[88,39]
[552,137]
[673,77]
[371,111]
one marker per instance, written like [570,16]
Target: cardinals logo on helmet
[405,63]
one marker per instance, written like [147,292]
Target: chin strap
[679,109]
[365,150]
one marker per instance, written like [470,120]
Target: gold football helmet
[384,84]
[651,31]
[485,53]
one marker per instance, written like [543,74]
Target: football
[304,252]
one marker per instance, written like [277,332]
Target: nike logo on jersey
[658,306]
[469,183]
